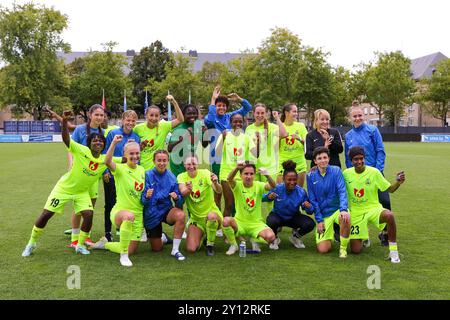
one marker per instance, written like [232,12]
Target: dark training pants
[301,222]
[110,201]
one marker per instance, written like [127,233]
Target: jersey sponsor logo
[149,144]
[237,152]
[358,193]
[138,186]
[250,202]
[93,165]
[290,141]
[195,194]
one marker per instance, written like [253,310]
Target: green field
[29,172]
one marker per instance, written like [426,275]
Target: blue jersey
[327,193]
[118,151]
[80,134]
[287,204]
[221,123]
[368,137]
[160,203]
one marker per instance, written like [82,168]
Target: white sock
[176,245]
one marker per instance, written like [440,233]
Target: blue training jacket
[160,203]
[368,137]
[118,151]
[327,193]
[80,134]
[287,204]
[220,123]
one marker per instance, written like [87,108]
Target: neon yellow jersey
[129,186]
[235,148]
[86,170]
[154,139]
[107,130]
[362,189]
[201,200]
[290,148]
[269,144]
[248,201]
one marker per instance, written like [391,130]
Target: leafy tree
[30,36]
[95,72]
[341,96]
[390,86]
[437,94]
[150,63]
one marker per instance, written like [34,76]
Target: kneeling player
[363,183]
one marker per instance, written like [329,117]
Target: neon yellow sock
[35,234]
[211,228]
[393,246]
[229,233]
[114,247]
[126,230]
[82,238]
[344,242]
[75,235]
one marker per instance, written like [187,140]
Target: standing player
[292,146]
[288,198]
[248,197]
[127,212]
[363,183]
[218,119]
[197,187]
[328,196]
[323,136]
[153,133]
[160,189]
[235,147]
[88,165]
[368,137]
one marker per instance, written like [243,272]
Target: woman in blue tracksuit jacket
[288,197]
[328,196]
[161,188]
[368,137]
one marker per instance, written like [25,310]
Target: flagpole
[189,96]
[169,109]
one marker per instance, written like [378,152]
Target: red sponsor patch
[195,194]
[93,165]
[290,141]
[250,203]
[237,152]
[358,193]
[138,186]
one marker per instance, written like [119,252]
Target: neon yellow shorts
[360,223]
[138,224]
[328,234]
[93,190]
[250,229]
[201,223]
[301,166]
[58,199]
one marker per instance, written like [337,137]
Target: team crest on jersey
[358,193]
[150,143]
[93,165]
[250,202]
[368,182]
[138,186]
[237,152]
[195,194]
[290,141]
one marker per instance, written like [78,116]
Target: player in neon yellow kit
[197,186]
[235,146]
[363,183]
[127,213]
[153,133]
[292,147]
[88,166]
[265,137]
[248,198]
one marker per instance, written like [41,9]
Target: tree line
[280,71]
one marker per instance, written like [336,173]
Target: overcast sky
[351,30]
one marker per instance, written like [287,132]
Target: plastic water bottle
[242,249]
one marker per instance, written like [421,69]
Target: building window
[365,110]
[372,110]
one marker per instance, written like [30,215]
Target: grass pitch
[28,172]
